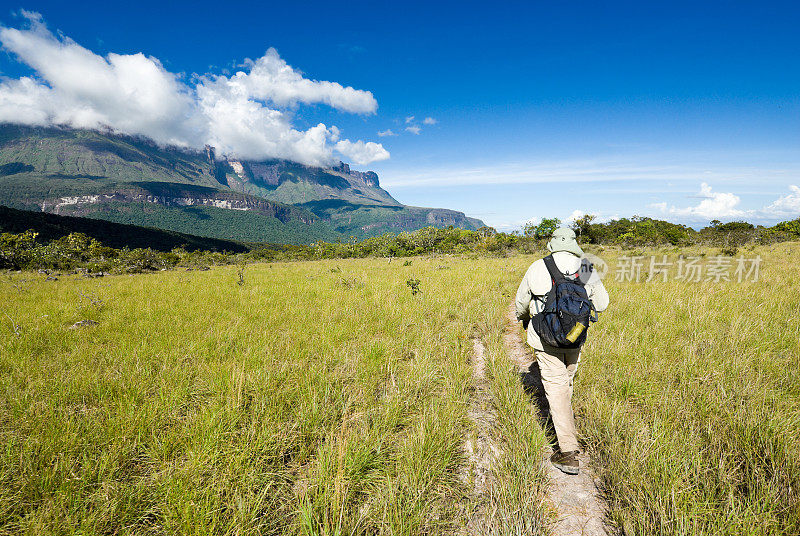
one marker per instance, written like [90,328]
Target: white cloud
[130,93]
[576,215]
[725,206]
[362,153]
[387,132]
[785,206]
[606,218]
[651,173]
[272,80]
[242,114]
[413,127]
[537,172]
[714,206]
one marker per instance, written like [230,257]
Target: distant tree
[583,226]
[792,227]
[546,227]
[487,231]
[735,226]
[529,229]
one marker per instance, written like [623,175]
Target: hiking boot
[566,461]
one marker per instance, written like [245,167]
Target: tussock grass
[689,398]
[325,398]
[518,504]
[314,398]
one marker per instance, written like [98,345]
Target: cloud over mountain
[362,153]
[243,115]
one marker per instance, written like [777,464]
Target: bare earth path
[575,498]
[481,449]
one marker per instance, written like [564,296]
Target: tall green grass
[325,398]
[689,398]
[316,398]
[518,502]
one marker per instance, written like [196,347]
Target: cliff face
[289,182]
[82,205]
[79,172]
[368,178]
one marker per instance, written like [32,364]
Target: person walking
[555,282]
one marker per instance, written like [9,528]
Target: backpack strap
[555,273]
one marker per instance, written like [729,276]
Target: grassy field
[690,400]
[326,398]
[317,398]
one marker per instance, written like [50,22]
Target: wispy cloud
[661,171]
[242,114]
[412,126]
[387,132]
[659,177]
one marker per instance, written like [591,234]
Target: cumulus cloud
[725,206]
[429,121]
[575,216]
[413,129]
[787,205]
[130,93]
[387,132]
[243,115]
[271,79]
[714,206]
[362,153]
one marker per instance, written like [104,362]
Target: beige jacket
[536,284]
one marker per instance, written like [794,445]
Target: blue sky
[682,111]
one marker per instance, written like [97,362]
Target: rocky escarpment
[293,183]
[168,195]
[272,172]
[367,178]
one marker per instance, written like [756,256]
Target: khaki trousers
[558,370]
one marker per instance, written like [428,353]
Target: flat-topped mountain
[133,180]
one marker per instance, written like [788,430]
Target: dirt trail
[481,449]
[575,498]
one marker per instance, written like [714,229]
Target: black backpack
[564,321]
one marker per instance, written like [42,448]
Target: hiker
[558,354]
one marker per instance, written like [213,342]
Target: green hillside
[217,223]
[132,180]
[52,227]
[68,154]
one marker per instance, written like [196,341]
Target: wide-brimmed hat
[564,240]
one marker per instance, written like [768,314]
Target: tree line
[78,251]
